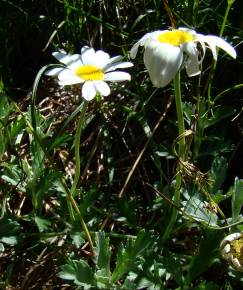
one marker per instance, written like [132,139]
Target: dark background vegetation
[31,30]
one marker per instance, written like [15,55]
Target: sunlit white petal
[117,76]
[54,71]
[91,68]
[100,59]
[220,42]
[71,80]
[64,57]
[87,53]
[114,66]
[88,91]
[75,64]
[66,74]
[115,59]
[162,62]
[141,42]
[102,88]
[215,41]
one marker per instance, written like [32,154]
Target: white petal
[162,62]
[75,64]
[115,59]
[88,91]
[101,59]
[214,41]
[102,88]
[65,74]
[192,62]
[117,76]
[237,264]
[141,42]
[114,66]
[54,71]
[232,237]
[87,54]
[70,81]
[98,58]
[65,58]
[67,77]
[227,249]
[193,32]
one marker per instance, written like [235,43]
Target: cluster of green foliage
[108,232]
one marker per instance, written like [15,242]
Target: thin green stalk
[181,155]
[213,67]
[179,111]
[70,200]
[77,146]
[72,191]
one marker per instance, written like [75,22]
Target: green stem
[181,155]
[77,171]
[70,200]
[77,146]
[213,67]
[72,191]
[179,111]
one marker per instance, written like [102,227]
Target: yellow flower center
[89,73]
[175,37]
[237,249]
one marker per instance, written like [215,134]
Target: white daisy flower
[166,51]
[232,250]
[91,68]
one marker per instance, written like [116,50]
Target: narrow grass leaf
[237,199]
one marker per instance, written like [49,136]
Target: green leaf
[128,255]
[16,129]
[2,247]
[102,253]
[207,253]
[147,284]
[2,142]
[218,173]
[201,211]
[172,265]
[206,286]
[58,141]
[78,239]
[8,231]
[237,199]
[219,115]
[80,272]
[42,224]
[88,198]
[4,106]
[163,151]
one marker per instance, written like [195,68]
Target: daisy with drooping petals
[167,51]
[232,250]
[92,68]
